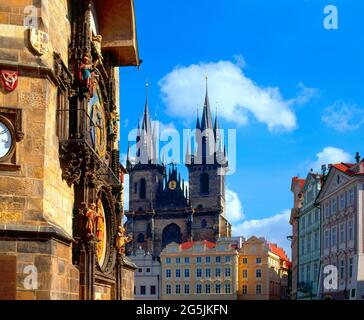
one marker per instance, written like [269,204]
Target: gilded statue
[122,240]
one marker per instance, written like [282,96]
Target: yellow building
[262,271]
[199,270]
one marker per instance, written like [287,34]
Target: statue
[122,240]
[100,221]
[114,123]
[96,40]
[90,217]
[87,74]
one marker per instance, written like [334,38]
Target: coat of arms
[9,80]
[39,41]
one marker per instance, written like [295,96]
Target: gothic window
[171,233]
[140,238]
[203,223]
[142,189]
[135,188]
[204,183]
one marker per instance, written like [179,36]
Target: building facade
[309,239]
[296,188]
[60,178]
[199,270]
[147,279]
[342,245]
[263,270]
[162,208]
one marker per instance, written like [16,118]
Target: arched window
[140,238]
[203,223]
[171,233]
[204,183]
[142,189]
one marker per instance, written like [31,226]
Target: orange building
[262,271]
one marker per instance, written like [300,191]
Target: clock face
[6,140]
[96,114]
[172,185]
[101,233]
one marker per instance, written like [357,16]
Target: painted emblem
[39,41]
[9,80]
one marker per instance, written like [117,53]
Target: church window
[135,188]
[203,223]
[142,189]
[140,238]
[204,183]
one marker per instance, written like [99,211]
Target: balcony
[117,25]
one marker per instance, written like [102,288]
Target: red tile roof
[344,167]
[298,180]
[189,244]
[278,251]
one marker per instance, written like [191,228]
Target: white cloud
[330,155]
[305,94]
[275,229]
[238,97]
[343,117]
[234,208]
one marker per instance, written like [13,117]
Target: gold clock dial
[172,185]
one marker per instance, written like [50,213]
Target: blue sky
[293,90]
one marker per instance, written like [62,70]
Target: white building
[342,246]
[147,276]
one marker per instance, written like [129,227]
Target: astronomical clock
[90,158]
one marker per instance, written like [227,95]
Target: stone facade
[48,181]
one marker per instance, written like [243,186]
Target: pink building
[342,247]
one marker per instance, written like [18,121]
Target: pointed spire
[128,162]
[146,125]
[216,127]
[206,122]
[188,151]
[138,140]
[198,126]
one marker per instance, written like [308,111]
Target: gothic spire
[206,122]
[146,125]
[198,126]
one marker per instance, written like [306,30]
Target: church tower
[207,168]
[146,172]
[162,208]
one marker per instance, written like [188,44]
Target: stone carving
[39,41]
[9,80]
[122,240]
[96,40]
